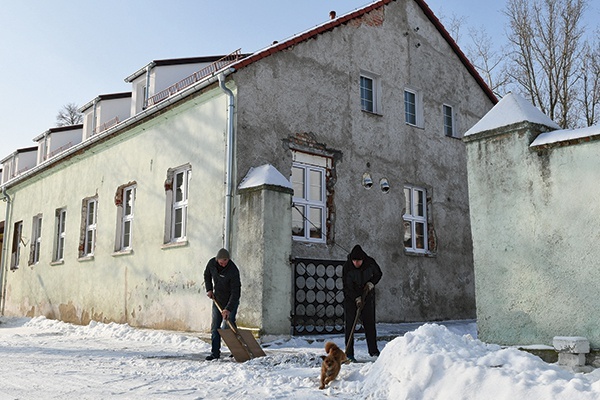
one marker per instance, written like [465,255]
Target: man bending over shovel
[222,280]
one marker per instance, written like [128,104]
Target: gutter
[114,130]
[230,155]
[5,241]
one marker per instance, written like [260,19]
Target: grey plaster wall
[314,88]
[535,216]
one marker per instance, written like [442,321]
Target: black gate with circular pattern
[319,297]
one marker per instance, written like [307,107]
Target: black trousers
[368,320]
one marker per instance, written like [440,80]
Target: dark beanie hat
[222,254]
[357,253]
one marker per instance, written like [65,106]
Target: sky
[65,51]
[49,359]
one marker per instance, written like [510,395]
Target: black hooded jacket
[355,279]
[227,284]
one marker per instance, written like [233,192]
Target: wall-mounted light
[385,185]
[367,182]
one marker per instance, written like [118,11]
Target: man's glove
[369,286]
[359,302]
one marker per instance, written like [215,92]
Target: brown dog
[332,363]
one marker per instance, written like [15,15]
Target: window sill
[415,126]
[57,262]
[86,258]
[413,253]
[372,113]
[120,253]
[174,245]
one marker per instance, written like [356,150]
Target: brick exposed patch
[374,18]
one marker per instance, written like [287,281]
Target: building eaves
[111,96]
[172,61]
[330,25]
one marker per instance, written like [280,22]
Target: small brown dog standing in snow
[332,363]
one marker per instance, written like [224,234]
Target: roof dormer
[104,112]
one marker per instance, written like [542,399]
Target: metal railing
[195,77]
[104,126]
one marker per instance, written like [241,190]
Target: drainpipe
[229,168]
[8,200]
[147,91]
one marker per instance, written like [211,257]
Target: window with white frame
[16,245]
[415,219]
[310,205]
[413,108]
[89,224]
[448,120]
[177,188]
[125,214]
[369,92]
[59,239]
[36,240]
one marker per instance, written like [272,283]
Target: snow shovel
[241,342]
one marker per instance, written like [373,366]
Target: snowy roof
[566,135]
[264,175]
[512,109]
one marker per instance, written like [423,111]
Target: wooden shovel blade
[243,345]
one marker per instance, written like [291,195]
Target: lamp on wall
[385,185]
[367,182]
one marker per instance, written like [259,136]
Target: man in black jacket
[226,290]
[360,274]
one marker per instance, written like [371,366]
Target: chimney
[331,14]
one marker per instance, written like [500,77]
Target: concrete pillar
[263,248]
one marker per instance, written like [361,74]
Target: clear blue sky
[66,51]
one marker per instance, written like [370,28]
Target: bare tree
[69,115]
[590,74]
[488,60]
[546,37]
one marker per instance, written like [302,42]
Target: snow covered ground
[46,359]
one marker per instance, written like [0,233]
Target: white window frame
[16,245]
[303,201]
[90,227]
[36,239]
[126,218]
[179,233]
[417,102]
[448,126]
[371,95]
[59,239]
[413,218]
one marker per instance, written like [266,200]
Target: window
[369,93]
[415,219]
[413,108]
[16,245]
[448,115]
[177,187]
[36,240]
[125,200]
[59,239]
[309,208]
[89,213]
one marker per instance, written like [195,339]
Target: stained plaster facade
[534,216]
[304,98]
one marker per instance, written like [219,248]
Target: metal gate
[319,297]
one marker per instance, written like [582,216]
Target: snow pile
[44,359]
[434,363]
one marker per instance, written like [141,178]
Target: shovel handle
[221,311]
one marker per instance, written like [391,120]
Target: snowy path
[45,359]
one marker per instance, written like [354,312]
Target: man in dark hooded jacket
[360,274]
[226,290]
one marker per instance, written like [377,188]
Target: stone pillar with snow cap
[264,247]
[571,350]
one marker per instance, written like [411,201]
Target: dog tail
[329,346]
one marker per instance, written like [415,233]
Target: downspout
[230,154]
[8,200]
[147,91]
